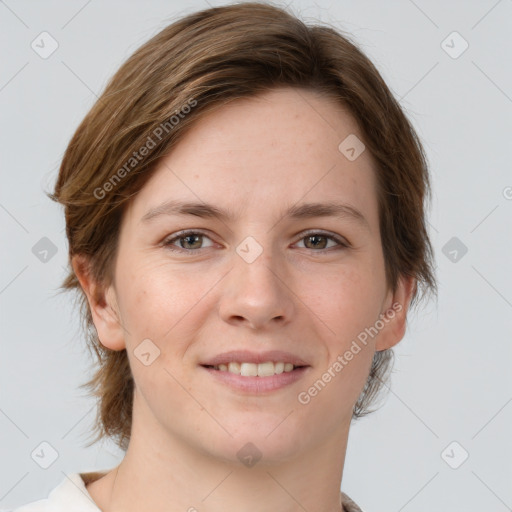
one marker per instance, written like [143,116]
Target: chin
[252,446]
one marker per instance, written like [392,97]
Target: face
[269,275]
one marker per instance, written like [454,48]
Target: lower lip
[257,384]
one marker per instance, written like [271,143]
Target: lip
[257,385]
[246,356]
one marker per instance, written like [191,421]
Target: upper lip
[245,356]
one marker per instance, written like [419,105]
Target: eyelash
[182,234]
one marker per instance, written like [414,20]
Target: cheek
[350,307]
[156,298]
[160,305]
[351,299]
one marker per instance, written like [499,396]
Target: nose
[257,294]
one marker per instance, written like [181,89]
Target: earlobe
[102,304]
[395,314]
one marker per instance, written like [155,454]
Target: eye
[318,240]
[189,241]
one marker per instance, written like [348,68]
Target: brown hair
[196,65]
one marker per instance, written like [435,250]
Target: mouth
[245,369]
[255,378]
[255,373]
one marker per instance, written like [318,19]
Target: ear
[394,314]
[103,305]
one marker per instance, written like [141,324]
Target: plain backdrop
[441,439]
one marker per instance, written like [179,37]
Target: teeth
[252,370]
[279,367]
[233,368]
[249,369]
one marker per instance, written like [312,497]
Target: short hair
[192,67]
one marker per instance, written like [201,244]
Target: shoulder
[348,504]
[71,492]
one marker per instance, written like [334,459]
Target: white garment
[71,495]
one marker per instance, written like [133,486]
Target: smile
[252,369]
[248,379]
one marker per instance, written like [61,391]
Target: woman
[245,215]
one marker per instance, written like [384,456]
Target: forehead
[266,152]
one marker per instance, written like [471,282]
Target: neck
[164,472]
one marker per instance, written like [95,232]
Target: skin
[255,157]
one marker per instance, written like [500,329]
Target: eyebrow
[301,211]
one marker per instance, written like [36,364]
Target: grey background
[452,377]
